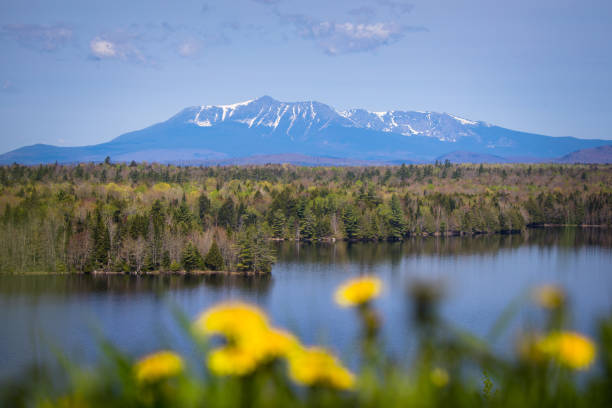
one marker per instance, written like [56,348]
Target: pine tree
[203,207]
[191,259]
[278,223]
[307,226]
[227,214]
[165,263]
[351,223]
[397,225]
[254,252]
[214,259]
[101,239]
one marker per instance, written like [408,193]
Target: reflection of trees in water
[571,237]
[376,252]
[125,284]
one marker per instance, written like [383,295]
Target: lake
[480,276]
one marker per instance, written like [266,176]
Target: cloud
[102,48]
[127,44]
[44,38]
[189,48]
[349,37]
[267,1]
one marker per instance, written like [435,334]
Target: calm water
[481,275]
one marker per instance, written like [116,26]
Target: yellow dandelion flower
[568,348]
[232,319]
[231,360]
[549,296]
[158,366]
[356,292]
[439,377]
[269,344]
[316,366]
[244,355]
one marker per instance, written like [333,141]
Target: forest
[141,217]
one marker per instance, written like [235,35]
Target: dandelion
[569,349]
[231,360]
[359,291]
[158,366]
[232,319]
[316,366]
[549,296]
[270,344]
[244,356]
[439,377]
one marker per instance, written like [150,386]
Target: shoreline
[441,234]
[327,240]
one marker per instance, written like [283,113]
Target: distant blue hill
[308,132]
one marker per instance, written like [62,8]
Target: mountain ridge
[266,127]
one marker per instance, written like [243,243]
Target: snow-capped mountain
[295,119]
[275,131]
[442,126]
[299,119]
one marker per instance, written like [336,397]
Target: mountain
[267,129]
[601,154]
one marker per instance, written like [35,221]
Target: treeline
[150,217]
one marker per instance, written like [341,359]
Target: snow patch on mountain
[298,119]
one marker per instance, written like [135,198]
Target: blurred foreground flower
[316,366]
[243,356]
[358,291]
[439,377]
[232,319]
[570,349]
[231,360]
[549,296]
[158,366]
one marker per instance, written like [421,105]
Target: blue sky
[83,72]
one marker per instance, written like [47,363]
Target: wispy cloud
[44,38]
[346,37]
[130,44]
[190,47]
[364,28]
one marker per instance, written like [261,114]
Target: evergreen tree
[307,226]
[351,223]
[254,252]
[191,258]
[278,223]
[214,259]
[397,225]
[165,263]
[203,207]
[227,214]
[101,239]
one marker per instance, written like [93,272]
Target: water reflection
[482,275]
[71,285]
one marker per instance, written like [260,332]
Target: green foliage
[214,259]
[254,252]
[77,217]
[191,258]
